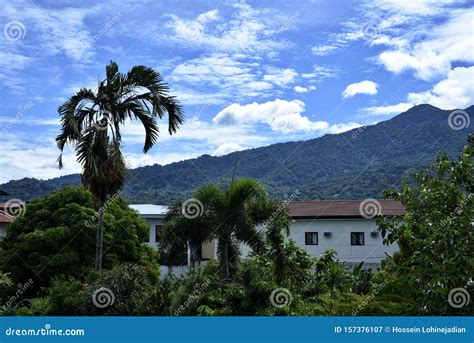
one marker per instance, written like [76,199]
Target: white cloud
[280,77]
[388,110]
[301,89]
[363,87]
[24,158]
[281,115]
[456,91]
[227,148]
[57,30]
[245,31]
[322,50]
[440,45]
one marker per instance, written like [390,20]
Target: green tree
[91,121]
[231,216]
[55,238]
[435,235]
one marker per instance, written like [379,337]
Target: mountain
[359,163]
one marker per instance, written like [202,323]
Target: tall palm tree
[91,122]
[230,216]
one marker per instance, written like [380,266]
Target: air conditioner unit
[327,234]
[374,234]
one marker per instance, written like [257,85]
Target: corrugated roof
[150,209]
[345,208]
[5,218]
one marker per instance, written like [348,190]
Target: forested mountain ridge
[359,163]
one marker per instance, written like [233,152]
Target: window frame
[307,241]
[157,228]
[355,241]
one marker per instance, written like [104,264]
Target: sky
[248,73]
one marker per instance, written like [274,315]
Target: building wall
[3,230]
[372,252]
[152,222]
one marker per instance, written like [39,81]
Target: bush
[56,239]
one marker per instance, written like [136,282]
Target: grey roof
[150,210]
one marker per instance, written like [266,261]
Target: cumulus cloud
[363,87]
[456,91]
[280,77]
[434,55]
[281,115]
[227,148]
[301,89]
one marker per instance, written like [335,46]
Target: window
[311,238]
[157,232]
[357,238]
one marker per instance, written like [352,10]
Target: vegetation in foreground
[435,257]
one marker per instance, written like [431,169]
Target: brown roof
[369,208]
[5,218]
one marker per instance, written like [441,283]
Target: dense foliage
[435,257]
[321,168]
[436,236]
[56,236]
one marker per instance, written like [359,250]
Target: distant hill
[359,163]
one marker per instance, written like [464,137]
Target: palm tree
[91,122]
[231,216]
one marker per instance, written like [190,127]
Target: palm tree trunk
[225,260]
[100,235]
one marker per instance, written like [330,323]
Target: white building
[316,226]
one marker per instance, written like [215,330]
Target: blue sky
[247,73]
